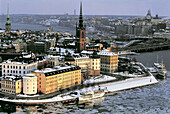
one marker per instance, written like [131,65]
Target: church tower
[80,33]
[148,16]
[8,23]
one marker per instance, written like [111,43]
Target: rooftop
[30,76]
[58,70]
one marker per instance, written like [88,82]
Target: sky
[90,7]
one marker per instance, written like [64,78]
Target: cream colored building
[11,85]
[91,63]
[109,62]
[14,68]
[29,84]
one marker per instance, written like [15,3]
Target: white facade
[12,68]
[29,84]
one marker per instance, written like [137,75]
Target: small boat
[160,68]
[152,70]
[93,94]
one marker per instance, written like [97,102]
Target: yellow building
[54,79]
[11,85]
[90,63]
[29,84]
[109,62]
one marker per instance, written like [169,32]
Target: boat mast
[157,58]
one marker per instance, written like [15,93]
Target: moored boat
[160,68]
[93,94]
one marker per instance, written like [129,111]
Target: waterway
[153,99]
[19,26]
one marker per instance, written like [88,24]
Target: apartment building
[11,85]
[54,79]
[109,61]
[14,68]
[29,84]
[87,63]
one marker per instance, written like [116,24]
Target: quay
[112,87]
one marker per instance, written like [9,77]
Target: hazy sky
[90,7]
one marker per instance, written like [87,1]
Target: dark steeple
[81,17]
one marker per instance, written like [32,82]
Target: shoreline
[112,87]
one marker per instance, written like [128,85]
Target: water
[144,100]
[149,58]
[19,26]
[153,99]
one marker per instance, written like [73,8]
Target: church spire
[8,22]
[81,17]
[8,13]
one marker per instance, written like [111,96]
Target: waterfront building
[29,84]
[11,85]
[80,33]
[54,79]
[8,23]
[15,68]
[109,62]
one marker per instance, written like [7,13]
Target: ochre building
[11,85]
[54,79]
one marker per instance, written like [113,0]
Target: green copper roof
[8,13]
[8,20]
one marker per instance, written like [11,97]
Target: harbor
[115,86]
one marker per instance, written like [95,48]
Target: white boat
[152,70]
[88,95]
[160,69]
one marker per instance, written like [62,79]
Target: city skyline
[90,7]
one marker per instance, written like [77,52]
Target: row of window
[19,67]
[8,86]
[8,91]
[16,71]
